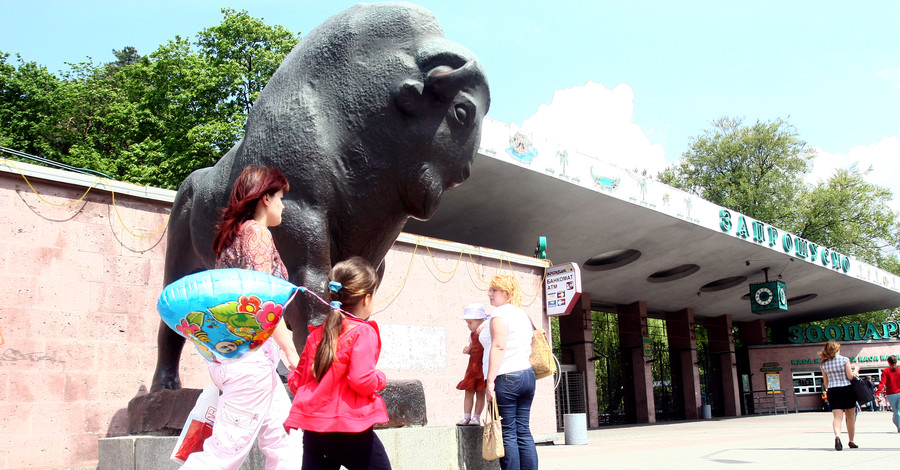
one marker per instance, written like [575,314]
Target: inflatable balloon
[226,313]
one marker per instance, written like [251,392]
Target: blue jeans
[894,400]
[515,392]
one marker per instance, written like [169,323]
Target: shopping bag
[861,391]
[198,426]
[542,360]
[492,439]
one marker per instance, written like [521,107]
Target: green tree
[245,52]
[26,97]
[756,170]
[852,216]
[145,119]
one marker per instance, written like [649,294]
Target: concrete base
[412,448]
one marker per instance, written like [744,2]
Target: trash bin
[575,426]
[706,411]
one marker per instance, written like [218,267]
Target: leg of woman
[280,450]
[528,459]
[836,417]
[246,387]
[850,417]
[506,388]
[894,401]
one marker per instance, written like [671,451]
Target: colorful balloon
[226,313]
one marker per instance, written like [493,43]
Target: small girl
[334,384]
[473,382]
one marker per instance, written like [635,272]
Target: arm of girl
[362,375]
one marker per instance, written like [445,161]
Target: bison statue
[371,117]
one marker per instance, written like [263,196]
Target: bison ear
[409,97]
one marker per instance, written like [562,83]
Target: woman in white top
[508,373]
[836,377]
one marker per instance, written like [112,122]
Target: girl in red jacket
[890,387]
[334,384]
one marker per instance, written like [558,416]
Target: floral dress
[253,248]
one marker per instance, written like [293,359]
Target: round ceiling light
[611,260]
[724,283]
[673,274]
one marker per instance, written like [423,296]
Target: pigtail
[351,281]
[327,348]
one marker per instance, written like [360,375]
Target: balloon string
[304,289]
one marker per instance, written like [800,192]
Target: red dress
[474,378]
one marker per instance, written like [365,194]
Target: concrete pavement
[791,441]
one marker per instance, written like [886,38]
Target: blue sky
[658,70]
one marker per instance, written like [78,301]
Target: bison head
[390,102]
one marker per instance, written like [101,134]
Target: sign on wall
[563,287]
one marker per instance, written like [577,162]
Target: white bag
[198,426]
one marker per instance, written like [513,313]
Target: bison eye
[461,114]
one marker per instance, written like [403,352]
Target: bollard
[575,425]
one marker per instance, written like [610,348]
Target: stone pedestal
[164,412]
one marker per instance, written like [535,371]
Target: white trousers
[253,405]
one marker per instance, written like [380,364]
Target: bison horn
[445,82]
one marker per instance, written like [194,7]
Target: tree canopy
[759,170]
[150,119]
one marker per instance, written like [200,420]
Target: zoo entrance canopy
[638,239]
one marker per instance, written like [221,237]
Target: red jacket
[345,399]
[890,381]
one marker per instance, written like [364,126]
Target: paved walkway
[791,441]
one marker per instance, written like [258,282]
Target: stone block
[405,402]
[162,412]
[468,439]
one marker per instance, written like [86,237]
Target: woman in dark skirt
[837,374]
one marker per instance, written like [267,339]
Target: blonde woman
[836,376]
[508,373]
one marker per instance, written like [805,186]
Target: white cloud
[891,75]
[597,121]
[883,157]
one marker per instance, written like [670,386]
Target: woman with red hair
[253,404]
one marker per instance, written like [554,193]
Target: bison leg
[168,357]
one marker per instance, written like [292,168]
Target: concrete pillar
[576,333]
[753,333]
[639,404]
[683,356]
[721,348]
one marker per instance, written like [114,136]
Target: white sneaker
[474,422]
[463,422]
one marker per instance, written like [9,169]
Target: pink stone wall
[867,355]
[79,278]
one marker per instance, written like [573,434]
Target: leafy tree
[246,52]
[852,216]
[756,170]
[26,97]
[145,119]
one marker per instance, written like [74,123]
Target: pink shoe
[463,422]
[474,422]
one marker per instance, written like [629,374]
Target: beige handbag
[492,439]
[541,356]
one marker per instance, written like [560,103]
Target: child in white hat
[473,382]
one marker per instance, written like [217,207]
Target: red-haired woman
[253,404]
